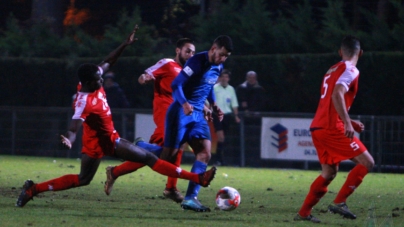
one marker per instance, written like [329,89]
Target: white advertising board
[287,138]
[144,126]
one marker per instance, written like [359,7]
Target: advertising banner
[287,138]
[144,126]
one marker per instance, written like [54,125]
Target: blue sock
[153,148]
[193,188]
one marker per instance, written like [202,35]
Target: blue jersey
[194,84]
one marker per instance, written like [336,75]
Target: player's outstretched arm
[178,92]
[114,55]
[68,139]
[145,78]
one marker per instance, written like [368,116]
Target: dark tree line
[256,26]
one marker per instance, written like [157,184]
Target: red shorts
[333,146]
[98,147]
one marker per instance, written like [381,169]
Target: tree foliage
[297,29]
[39,41]
[253,26]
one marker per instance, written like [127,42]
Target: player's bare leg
[113,172]
[169,154]
[128,151]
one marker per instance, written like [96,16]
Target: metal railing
[35,131]
[383,136]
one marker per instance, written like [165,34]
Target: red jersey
[343,73]
[164,72]
[99,134]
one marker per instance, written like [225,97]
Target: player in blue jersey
[185,119]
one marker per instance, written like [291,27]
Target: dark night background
[103,12]
[284,46]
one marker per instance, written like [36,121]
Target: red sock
[125,168]
[353,180]
[171,170]
[58,184]
[172,181]
[317,190]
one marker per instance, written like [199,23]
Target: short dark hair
[181,42]
[224,41]
[87,71]
[350,45]
[225,71]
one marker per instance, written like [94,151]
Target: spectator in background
[250,94]
[115,94]
[226,100]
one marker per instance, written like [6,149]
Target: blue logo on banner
[280,141]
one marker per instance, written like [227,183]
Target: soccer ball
[228,198]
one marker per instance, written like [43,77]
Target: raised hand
[131,39]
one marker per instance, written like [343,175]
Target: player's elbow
[337,97]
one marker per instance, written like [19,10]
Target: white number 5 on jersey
[325,86]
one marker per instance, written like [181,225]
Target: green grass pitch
[269,197]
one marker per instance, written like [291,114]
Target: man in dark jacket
[250,94]
[116,96]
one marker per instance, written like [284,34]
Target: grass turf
[269,197]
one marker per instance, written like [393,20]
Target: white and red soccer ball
[228,198]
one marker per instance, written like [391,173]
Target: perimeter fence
[34,131]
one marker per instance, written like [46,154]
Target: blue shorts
[180,128]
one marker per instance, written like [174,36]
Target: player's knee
[369,165]
[85,181]
[150,159]
[203,156]
[329,175]
[332,177]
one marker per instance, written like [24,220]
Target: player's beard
[182,60]
[213,59]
